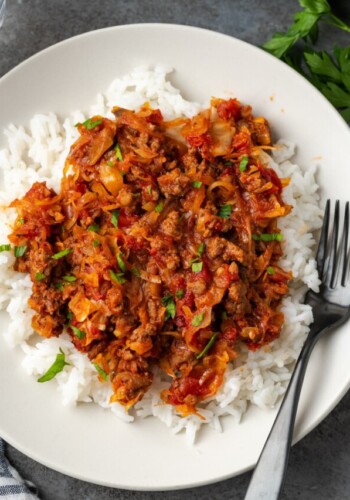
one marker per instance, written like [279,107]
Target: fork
[331,308]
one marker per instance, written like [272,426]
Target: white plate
[85,441]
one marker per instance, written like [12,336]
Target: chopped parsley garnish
[59,286]
[5,248]
[96,243]
[243,163]
[39,276]
[89,124]
[180,293]
[20,251]
[118,152]
[94,227]
[159,207]
[201,249]
[149,190]
[197,267]
[56,367]
[169,303]
[135,271]
[121,262]
[101,372]
[327,71]
[268,237]
[61,254]
[228,163]
[225,211]
[117,277]
[21,220]
[69,316]
[115,217]
[207,347]
[78,333]
[110,164]
[197,320]
[223,315]
[270,270]
[70,279]
[197,184]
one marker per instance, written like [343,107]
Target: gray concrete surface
[320,464]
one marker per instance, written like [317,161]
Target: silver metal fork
[331,308]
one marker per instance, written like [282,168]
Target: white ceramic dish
[85,441]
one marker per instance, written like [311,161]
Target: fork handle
[269,473]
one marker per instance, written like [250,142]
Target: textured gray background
[320,464]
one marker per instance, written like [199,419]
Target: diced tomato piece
[242,142]
[155,117]
[126,220]
[197,141]
[229,109]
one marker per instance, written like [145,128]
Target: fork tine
[345,246]
[322,246]
[331,261]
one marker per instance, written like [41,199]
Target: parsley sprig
[170,306]
[330,73]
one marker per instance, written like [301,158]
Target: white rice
[261,377]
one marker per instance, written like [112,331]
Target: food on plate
[152,247]
[161,248]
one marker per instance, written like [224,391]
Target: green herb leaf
[96,243]
[197,320]
[169,303]
[39,276]
[20,251]
[270,270]
[315,6]
[135,271]
[110,164]
[5,247]
[207,347]
[331,75]
[69,316]
[89,124]
[94,227]
[197,267]
[121,262]
[280,43]
[78,333]
[70,279]
[197,184]
[61,254]
[149,190]
[224,315]
[101,372]
[228,163]
[268,237]
[243,164]
[320,63]
[117,277]
[201,249]
[225,211]
[180,293]
[159,207]
[56,367]
[59,286]
[21,220]
[118,152]
[115,217]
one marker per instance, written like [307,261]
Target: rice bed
[259,377]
